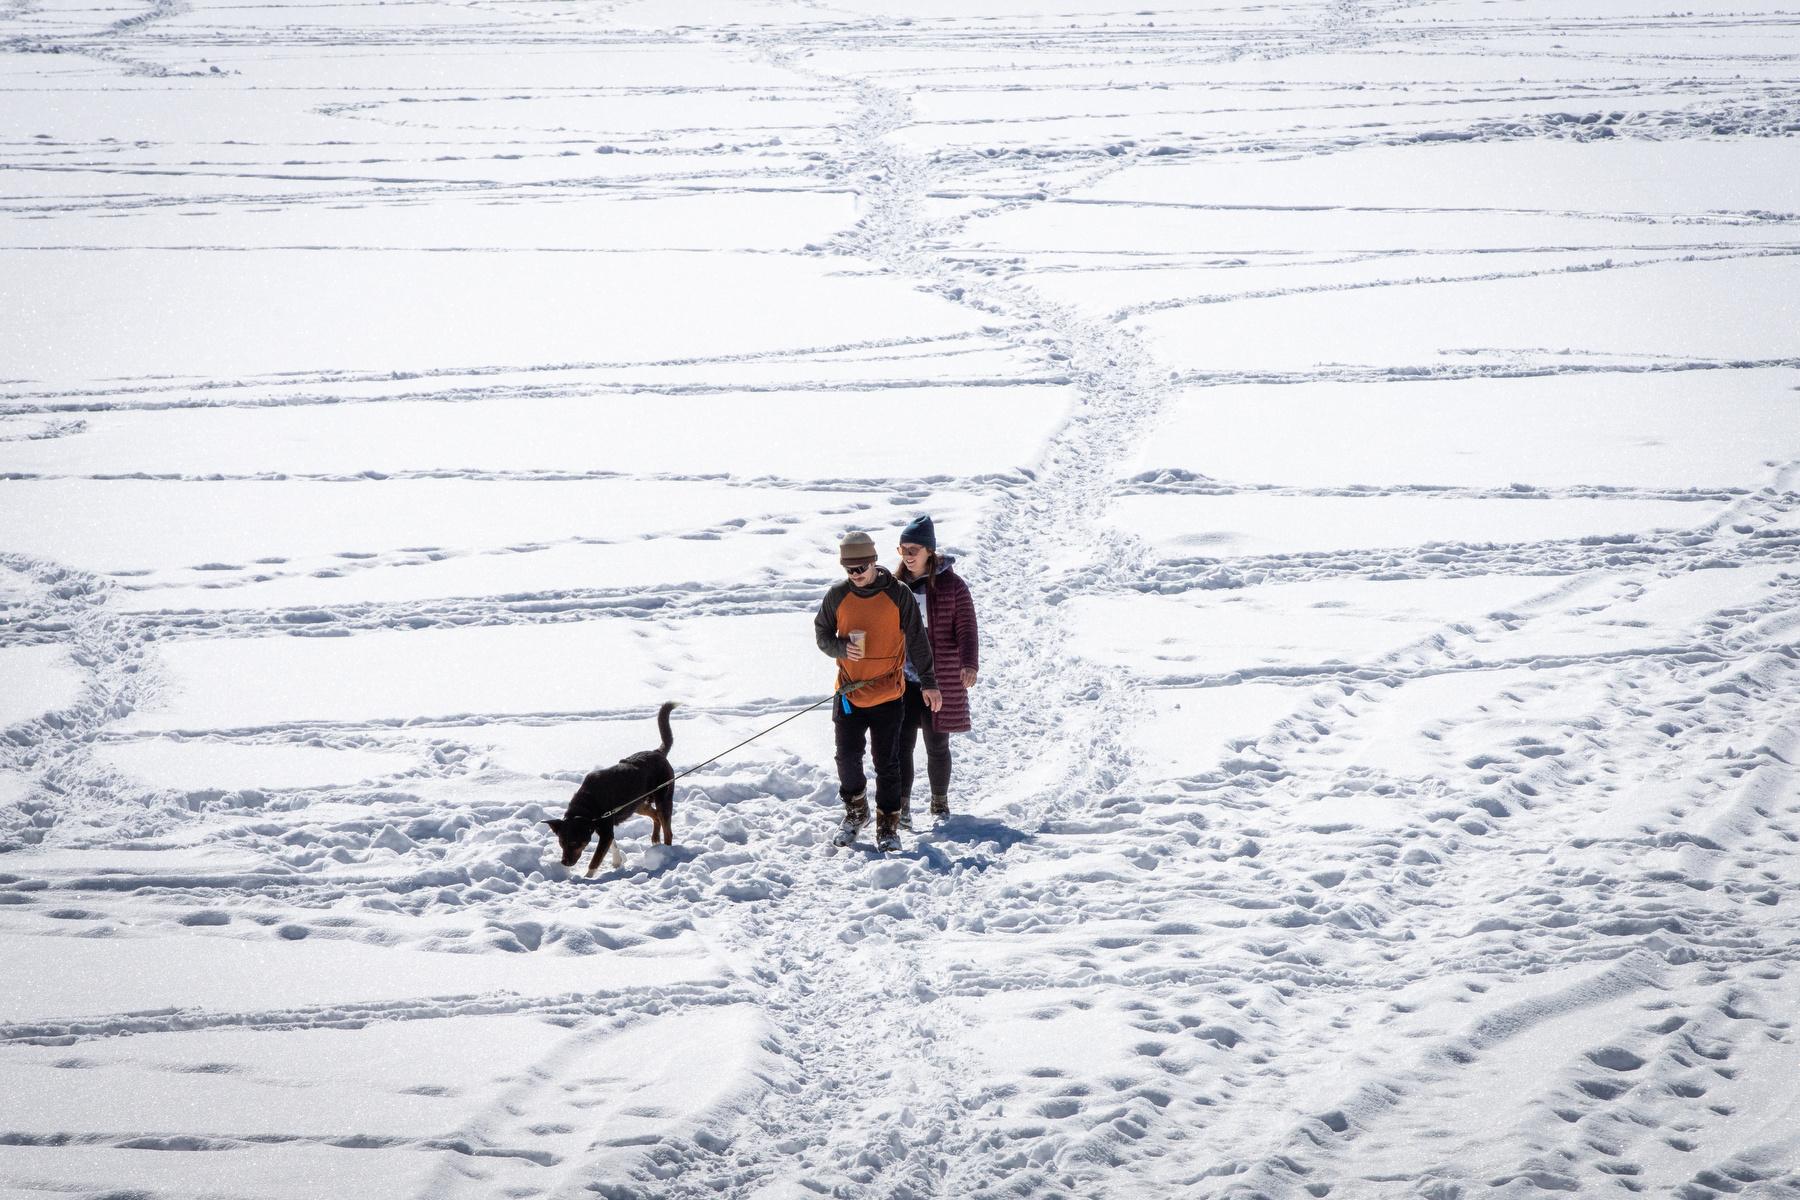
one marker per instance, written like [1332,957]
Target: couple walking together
[907,653]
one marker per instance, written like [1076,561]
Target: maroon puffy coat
[950,612]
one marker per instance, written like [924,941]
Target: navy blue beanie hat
[920,532]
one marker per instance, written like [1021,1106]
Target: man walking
[870,623]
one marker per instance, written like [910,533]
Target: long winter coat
[950,615]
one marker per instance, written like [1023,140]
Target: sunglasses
[858,569]
[907,550]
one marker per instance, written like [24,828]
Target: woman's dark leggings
[937,745]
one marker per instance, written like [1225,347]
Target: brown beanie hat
[856,547]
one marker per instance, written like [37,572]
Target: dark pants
[937,745]
[881,722]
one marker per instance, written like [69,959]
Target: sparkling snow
[1372,437]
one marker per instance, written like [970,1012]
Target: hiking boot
[940,804]
[856,815]
[887,830]
[906,818]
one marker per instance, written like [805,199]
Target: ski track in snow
[1501,903]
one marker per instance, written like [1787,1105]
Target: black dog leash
[845,691]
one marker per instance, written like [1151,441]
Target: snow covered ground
[1371,430]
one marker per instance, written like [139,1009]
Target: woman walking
[949,612]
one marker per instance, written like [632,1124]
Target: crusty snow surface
[1371,431]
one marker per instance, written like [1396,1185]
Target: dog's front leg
[606,843]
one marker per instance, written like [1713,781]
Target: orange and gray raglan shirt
[887,611]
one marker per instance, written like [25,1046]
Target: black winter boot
[887,830]
[940,804]
[856,815]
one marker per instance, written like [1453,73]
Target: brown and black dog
[643,783]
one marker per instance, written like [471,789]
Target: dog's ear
[556,826]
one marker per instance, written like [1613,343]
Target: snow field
[298,311]
[1368,434]
[1550,432]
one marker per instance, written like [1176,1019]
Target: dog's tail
[662,725]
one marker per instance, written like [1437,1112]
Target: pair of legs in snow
[892,731]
